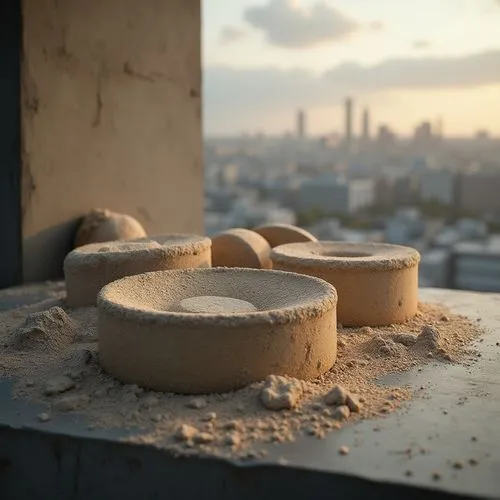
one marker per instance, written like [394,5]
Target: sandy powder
[51,353]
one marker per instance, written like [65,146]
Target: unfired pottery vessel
[240,248]
[281,234]
[377,283]
[146,336]
[87,269]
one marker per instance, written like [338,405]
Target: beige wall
[111,118]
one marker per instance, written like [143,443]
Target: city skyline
[263,60]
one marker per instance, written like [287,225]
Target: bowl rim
[283,315]
[377,256]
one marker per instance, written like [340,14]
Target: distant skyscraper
[348,124]
[301,123]
[365,133]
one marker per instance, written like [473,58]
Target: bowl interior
[164,291]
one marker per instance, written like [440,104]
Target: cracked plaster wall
[111,118]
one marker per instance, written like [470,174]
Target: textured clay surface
[377,283]
[240,248]
[213,304]
[87,269]
[281,234]
[145,339]
[102,225]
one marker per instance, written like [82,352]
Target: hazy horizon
[406,61]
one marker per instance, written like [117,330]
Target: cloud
[421,44]
[466,71]
[376,26]
[287,25]
[230,34]
[232,93]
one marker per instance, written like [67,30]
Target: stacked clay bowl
[88,268]
[377,283]
[214,330]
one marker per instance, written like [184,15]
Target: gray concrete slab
[454,418]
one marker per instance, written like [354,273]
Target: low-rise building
[438,186]
[476,265]
[333,194]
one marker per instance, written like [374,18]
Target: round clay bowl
[88,268]
[287,326]
[281,234]
[240,248]
[377,283]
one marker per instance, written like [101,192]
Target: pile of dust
[51,330]
[65,376]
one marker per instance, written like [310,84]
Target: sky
[405,60]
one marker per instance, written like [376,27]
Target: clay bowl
[377,283]
[181,331]
[281,234]
[88,268]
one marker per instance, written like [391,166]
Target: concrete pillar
[110,117]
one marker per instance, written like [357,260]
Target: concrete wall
[111,117]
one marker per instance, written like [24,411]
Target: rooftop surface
[452,420]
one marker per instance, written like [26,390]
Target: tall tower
[301,124]
[348,105]
[365,126]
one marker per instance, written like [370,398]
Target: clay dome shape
[88,268]
[101,225]
[240,248]
[377,283]
[282,234]
[275,323]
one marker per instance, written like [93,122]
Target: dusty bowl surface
[284,324]
[377,283]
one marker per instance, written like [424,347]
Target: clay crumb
[57,385]
[344,450]
[70,403]
[337,396]
[387,347]
[186,432]
[353,404]
[197,403]
[233,439]
[203,438]
[429,337]
[209,417]
[341,413]
[406,339]
[280,393]
[43,417]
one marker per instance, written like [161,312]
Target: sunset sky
[407,60]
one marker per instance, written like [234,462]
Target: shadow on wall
[53,244]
